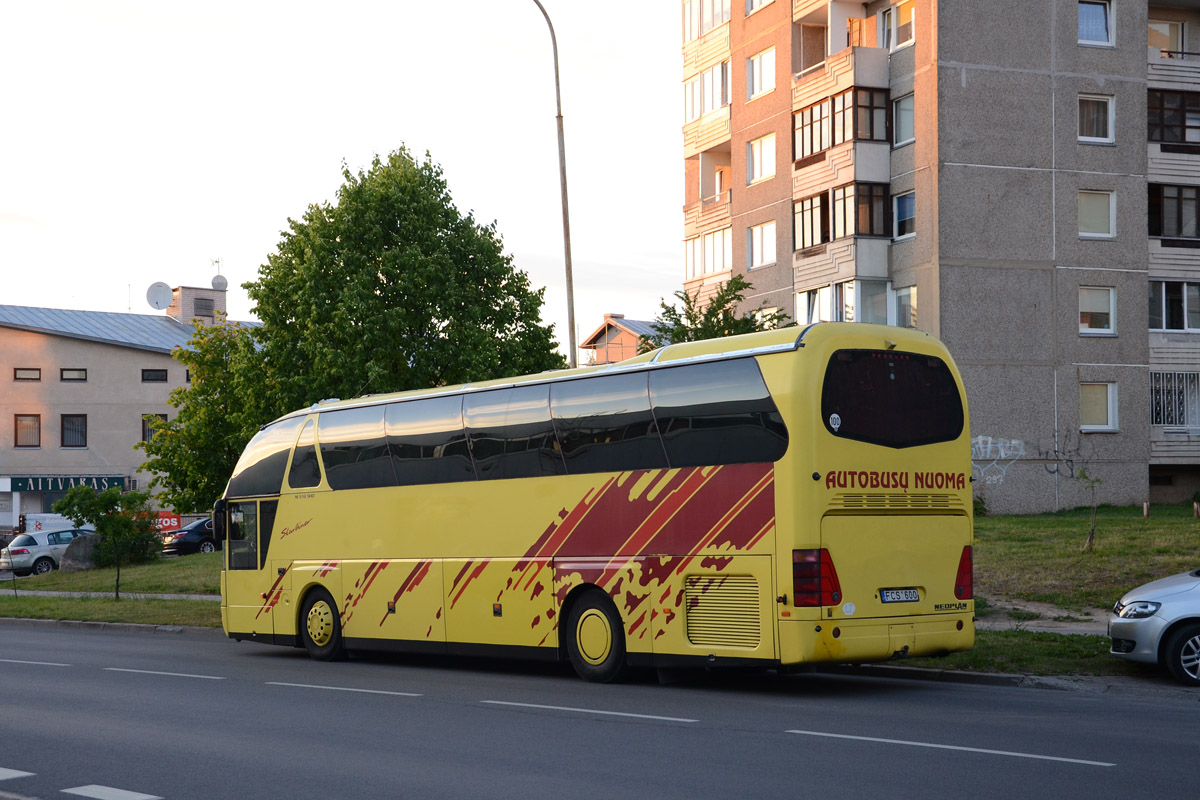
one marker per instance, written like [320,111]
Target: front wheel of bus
[596,639]
[320,627]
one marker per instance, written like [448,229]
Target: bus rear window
[891,398]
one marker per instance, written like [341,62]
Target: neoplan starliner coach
[775,499]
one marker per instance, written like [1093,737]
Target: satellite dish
[219,283]
[159,295]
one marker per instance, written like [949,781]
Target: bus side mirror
[218,518]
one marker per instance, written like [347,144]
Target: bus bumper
[861,640]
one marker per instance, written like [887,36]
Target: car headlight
[1139,610]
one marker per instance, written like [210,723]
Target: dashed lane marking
[7,774]
[168,674]
[587,711]
[342,689]
[34,663]
[108,793]
[960,748]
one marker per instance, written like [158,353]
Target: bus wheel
[596,638]
[320,627]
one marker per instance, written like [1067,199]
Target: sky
[145,141]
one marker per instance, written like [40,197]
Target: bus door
[248,589]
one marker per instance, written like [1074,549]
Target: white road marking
[588,711]
[957,747]
[168,674]
[11,796]
[6,774]
[343,689]
[109,793]
[34,663]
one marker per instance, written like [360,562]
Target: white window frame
[760,157]
[1110,23]
[1181,45]
[1111,330]
[1110,103]
[760,74]
[755,5]
[1112,214]
[899,297]
[1112,424]
[897,116]
[889,25]
[708,253]
[761,245]
[896,235]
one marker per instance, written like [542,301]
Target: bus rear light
[814,580]
[964,582]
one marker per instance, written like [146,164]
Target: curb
[123,627]
[923,674]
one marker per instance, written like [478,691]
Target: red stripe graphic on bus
[362,585]
[272,595]
[415,576]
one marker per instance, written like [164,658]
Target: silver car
[38,552]
[1159,623]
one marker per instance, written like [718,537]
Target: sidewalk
[7,590]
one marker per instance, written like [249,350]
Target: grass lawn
[195,574]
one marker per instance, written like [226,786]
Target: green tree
[693,321]
[389,289]
[123,521]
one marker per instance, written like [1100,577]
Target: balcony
[709,213]
[1178,70]
[854,66]
[840,260]
[706,133]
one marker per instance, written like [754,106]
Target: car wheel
[320,627]
[1183,654]
[207,547]
[596,638]
[42,566]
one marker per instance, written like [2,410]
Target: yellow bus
[776,499]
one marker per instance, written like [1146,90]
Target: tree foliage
[123,521]
[389,289]
[693,321]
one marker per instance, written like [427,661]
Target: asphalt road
[119,716]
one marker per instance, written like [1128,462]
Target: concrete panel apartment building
[1020,180]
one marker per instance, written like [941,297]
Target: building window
[1095,22]
[812,132]
[760,244]
[1097,311]
[849,301]
[154,376]
[843,211]
[871,205]
[1166,37]
[904,120]
[760,74]
[872,301]
[904,212]
[74,430]
[701,16]
[27,374]
[1097,215]
[1097,406]
[815,305]
[1174,306]
[760,158]
[906,307]
[843,116]
[148,431]
[896,22]
[1174,211]
[1173,116]
[812,221]
[870,119]
[755,5]
[72,375]
[709,253]
[28,430]
[706,92]
[1175,398]
[1096,119]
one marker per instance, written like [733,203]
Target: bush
[138,547]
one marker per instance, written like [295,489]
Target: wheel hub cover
[594,637]
[320,623]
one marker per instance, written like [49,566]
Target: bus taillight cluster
[964,582]
[814,580]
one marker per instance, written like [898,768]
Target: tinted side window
[427,441]
[354,449]
[305,471]
[891,398]
[605,425]
[717,413]
[260,469]
[511,434]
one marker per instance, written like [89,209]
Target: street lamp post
[562,174]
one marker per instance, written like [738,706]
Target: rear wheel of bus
[320,627]
[596,638]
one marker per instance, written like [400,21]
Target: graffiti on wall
[991,457]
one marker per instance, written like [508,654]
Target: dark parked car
[196,537]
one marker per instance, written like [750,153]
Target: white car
[38,552]
[1159,623]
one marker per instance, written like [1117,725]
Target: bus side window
[717,413]
[242,549]
[305,472]
[354,449]
[260,469]
[427,441]
[266,515]
[511,434]
[605,425]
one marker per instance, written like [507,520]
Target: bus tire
[1182,655]
[596,638]
[320,627]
